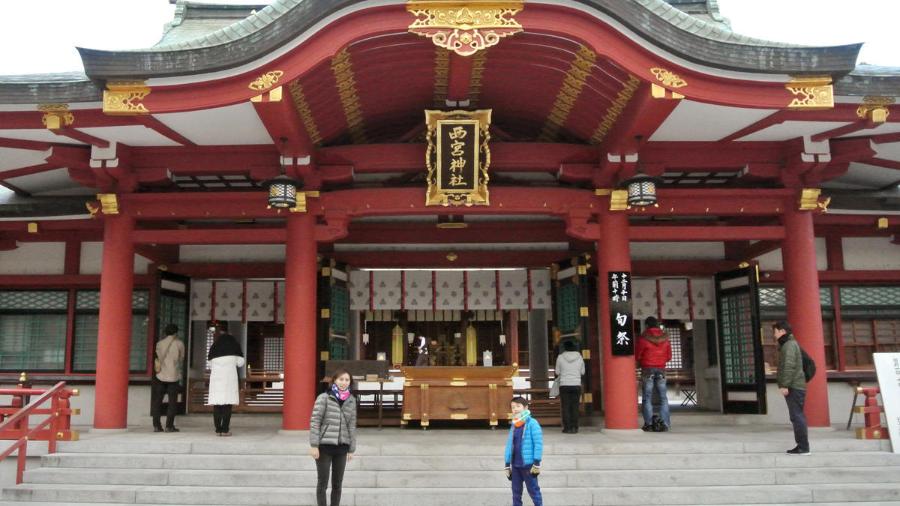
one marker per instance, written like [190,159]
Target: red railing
[56,427]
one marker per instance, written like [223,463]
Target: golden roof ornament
[465,27]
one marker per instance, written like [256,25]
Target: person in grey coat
[569,370]
[332,435]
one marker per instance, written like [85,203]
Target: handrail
[57,419]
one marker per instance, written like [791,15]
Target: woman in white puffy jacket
[225,356]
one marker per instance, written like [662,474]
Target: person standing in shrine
[332,435]
[422,358]
[225,356]
[653,351]
[569,371]
[524,451]
[167,375]
[792,384]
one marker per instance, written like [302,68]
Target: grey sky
[45,33]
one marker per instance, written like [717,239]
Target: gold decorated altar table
[457,393]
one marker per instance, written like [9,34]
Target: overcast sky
[45,32]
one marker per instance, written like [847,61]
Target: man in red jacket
[652,352]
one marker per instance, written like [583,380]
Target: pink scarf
[341,395]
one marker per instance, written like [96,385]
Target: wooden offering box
[457,393]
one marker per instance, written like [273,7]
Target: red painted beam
[63,281]
[439,259]
[27,171]
[409,201]
[158,253]
[657,233]
[856,126]
[161,128]
[73,133]
[881,162]
[55,235]
[206,159]
[519,157]
[285,127]
[52,225]
[886,276]
[641,117]
[211,236]
[760,248]
[680,267]
[385,233]
[230,270]
[775,118]
[25,144]
[459,77]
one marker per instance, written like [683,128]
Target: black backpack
[809,365]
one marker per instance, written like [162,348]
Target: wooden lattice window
[859,343]
[87,323]
[273,354]
[33,330]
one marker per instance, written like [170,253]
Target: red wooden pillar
[299,322]
[114,332]
[804,310]
[619,386]
[512,337]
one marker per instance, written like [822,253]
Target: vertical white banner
[887,365]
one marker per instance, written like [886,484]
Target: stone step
[551,462]
[487,446]
[595,496]
[462,479]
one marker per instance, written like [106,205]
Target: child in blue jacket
[524,449]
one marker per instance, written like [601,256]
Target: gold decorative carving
[882,223]
[109,203]
[615,109]
[668,78]
[464,27]
[124,98]
[300,206]
[810,200]
[618,200]
[875,109]
[92,208]
[56,116]
[32,227]
[452,256]
[302,106]
[579,70]
[342,67]
[266,81]
[441,76]
[811,93]
[478,193]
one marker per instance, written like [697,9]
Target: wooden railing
[253,394]
[56,427]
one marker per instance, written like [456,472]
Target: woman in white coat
[225,356]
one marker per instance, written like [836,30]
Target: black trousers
[795,400]
[158,389]
[569,397]
[331,458]
[222,417]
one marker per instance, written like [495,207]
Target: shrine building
[333,179]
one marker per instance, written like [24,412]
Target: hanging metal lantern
[641,190]
[283,192]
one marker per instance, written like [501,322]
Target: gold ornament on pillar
[397,345]
[471,345]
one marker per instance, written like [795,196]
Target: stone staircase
[446,467]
